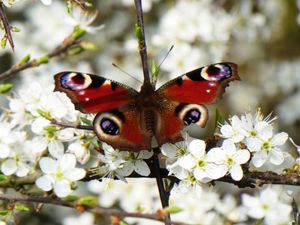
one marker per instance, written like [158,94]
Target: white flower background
[262,37]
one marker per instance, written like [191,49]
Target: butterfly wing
[118,122]
[186,95]
[91,93]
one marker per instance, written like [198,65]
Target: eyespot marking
[216,72]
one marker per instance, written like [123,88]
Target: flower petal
[241,156]
[145,154]
[259,158]
[67,162]
[276,156]
[45,182]
[9,167]
[75,174]
[62,188]
[236,172]
[56,149]
[142,168]
[197,148]
[48,165]
[279,139]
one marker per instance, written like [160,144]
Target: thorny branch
[108,212]
[61,49]
[6,25]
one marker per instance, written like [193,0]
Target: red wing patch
[93,94]
[201,86]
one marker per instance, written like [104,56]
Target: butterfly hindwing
[201,86]
[93,94]
[122,129]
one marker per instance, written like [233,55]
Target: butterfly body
[130,120]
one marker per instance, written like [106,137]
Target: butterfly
[130,120]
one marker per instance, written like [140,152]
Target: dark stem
[142,42]
[164,197]
[6,26]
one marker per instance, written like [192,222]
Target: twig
[7,27]
[81,4]
[62,48]
[142,42]
[94,209]
[76,126]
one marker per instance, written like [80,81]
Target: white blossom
[267,206]
[83,19]
[59,175]
[232,157]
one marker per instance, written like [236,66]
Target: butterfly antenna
[128,74]
[165,57]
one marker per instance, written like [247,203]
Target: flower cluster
[248,139]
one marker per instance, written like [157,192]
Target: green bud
[25,59]
[86,121]
[71,198]
[77,33]
[173,209]
[88,46]
[3,42]
[21,207]
[15,29]
[154,70]
[75,50]
[44,114]
[88,200]
[138,32]
[4,88]
[124,223]
[218,119]
[42,60]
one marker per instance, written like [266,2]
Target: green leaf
[86,121]
[71,198]
[219,119]
[88,200]
[173,209]
[4,212]
[4,88]
[138,32]
[124,223]
[21,208]
[25,59]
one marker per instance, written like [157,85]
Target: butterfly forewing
[93,94]
[201,86]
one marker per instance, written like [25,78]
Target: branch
[7,27]
[62,48]
[75,126]
[159,216]
[142,42]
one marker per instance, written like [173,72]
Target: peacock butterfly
[129,120]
